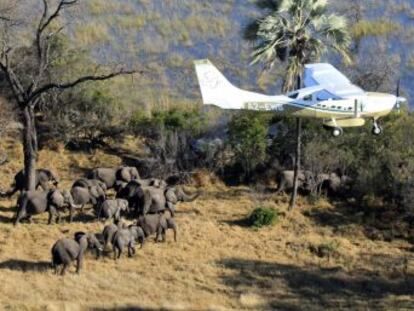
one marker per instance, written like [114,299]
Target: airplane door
[313,108]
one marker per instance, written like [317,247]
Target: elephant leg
[119,252]
[52,212]
[20,216]
[129,250]
[171,208]
[132,247]
[159,232]
[63,271]
[29,219]
[71,213]
[57,217]
[79,262]
[173,226]
[163,235]
[114,250]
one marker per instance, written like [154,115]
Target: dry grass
[217,263]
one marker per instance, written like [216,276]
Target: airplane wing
[217,90]
[331,79]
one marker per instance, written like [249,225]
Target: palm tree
[297,32]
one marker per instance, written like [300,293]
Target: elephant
[127,190]
[64,251]
[94,195]
[127,173]
[110,175]
[285,180]
[109,232]
[88,183]
[127,237]
[112,209]
[37,202]
[158,223]
[42,178]
[153,199]
[338,185]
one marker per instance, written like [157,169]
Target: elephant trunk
[189,197]
[71,202]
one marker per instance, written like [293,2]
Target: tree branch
[43,24]
[68,85]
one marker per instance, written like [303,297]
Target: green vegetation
[263,216]
[247,136]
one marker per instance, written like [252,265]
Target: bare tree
[29,87]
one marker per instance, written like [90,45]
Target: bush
[248,139]
[263,216]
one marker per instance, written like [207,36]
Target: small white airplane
[327,95]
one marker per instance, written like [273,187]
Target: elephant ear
[78,235]
[56,198]
[124,174]
[135,173]
[170,195]
[96,192]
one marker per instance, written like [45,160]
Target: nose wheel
[376,129]
[337,131]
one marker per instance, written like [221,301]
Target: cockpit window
[307,97]
[294,95]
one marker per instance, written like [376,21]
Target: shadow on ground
[376,223]
[288,287]
[25,266]
[132,308]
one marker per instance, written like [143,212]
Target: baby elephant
[112,209]
[127,237]
[109,231]
[64,251]
[158,223]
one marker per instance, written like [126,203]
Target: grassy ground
[316,257]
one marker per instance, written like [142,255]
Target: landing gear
[337,131]
[376,130]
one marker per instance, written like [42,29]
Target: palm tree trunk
[294,195]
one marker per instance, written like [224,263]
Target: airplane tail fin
[215,88]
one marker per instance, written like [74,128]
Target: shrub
[248,139]
[263,216]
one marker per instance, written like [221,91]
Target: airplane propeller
[399,100]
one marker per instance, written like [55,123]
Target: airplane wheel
[376,130]
[337,131]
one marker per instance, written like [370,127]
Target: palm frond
[301,30]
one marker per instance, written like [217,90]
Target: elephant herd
[333,184]
[151,203]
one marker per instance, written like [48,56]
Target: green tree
[298,32]
[247,136]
